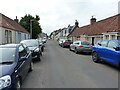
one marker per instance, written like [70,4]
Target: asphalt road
[61,68]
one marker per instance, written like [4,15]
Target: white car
[60,41]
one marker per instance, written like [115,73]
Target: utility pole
[31,28]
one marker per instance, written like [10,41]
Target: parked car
[44,40]
[15,62]
[81,46]
[107,50]
[34,47]
[60,41]
[66,43]
[41,44]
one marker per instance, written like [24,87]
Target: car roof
[110,40]
[28,40]
[9,45]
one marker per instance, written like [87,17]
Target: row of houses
[11,31]
[64,32]
[108,28]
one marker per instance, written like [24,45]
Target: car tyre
[31,67]
[95,57]
[42,49]
[76,51]
[39,59]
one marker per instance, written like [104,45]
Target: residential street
[61,68]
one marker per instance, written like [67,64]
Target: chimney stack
[93,20]
[76,23]
[16,19]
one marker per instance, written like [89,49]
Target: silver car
[60,41]
[81,46]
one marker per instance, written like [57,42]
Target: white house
[11,31]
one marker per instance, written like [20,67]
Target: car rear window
[68,41]
[85,43]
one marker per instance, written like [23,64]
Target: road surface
[61,68]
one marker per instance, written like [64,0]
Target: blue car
[107,50]
[15,62]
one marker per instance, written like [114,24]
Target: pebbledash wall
[12,36]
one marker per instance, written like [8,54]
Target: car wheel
[42,49]
[76,51]
[95,57]
[31,67]
[39,59]
[18,84]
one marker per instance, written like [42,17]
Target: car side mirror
[22,59]
[116,48]
[99,44]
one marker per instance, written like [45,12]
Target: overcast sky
[56,14]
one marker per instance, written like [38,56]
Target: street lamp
[31,28]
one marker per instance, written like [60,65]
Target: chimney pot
[93,20]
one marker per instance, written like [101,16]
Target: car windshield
[85,43]
[7,55]
[31,43]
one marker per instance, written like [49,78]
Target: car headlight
[36,50]
[5,81]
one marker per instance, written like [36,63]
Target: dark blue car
[107,50]
[15,62]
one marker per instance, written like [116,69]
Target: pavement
[61,68]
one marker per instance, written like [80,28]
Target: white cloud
[57,14]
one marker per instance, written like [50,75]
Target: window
[10,36]
[112,44]
[112,36]
[22,52]
[104,43]
[6,36]
[106,36]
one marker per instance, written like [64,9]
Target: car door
[101,50]
[111,54]
[23,64]
[73,45]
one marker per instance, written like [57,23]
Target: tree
[36,28]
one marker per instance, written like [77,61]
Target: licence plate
[87,48]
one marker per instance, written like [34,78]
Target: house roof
[6,22]
[110,24]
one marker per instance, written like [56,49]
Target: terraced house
[108,28]
[11,31]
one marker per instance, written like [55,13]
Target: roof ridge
[12,24]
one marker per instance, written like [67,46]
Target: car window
[68,41]
[104,43]
[77,43]
[85,43]
[99,42]
[22,52]
[112,44]
[26,47]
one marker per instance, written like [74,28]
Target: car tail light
[66,42]
[80,46]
